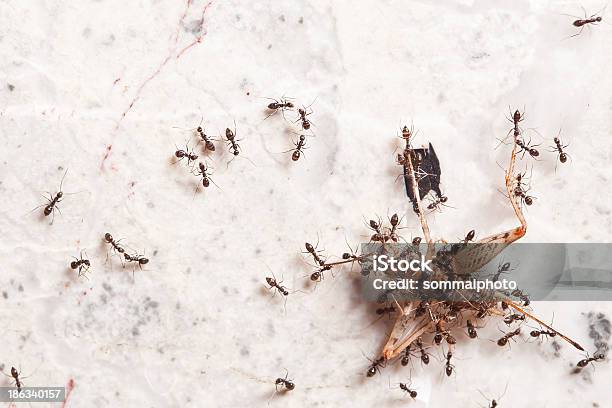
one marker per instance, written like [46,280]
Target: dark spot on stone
[224,289]
[269,46]
[103,299]
[282,18]
[244,351]
[257,251]
[135,331]
[301,20]
[155,252]
[150,205]
[10,87]
[20,288]
[248,93]
[154,304]
[5,295]
[237,17]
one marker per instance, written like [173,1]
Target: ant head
[528,200]
[108,237]
[271,281]
[60,194]
[228,133]
[394,220]
[272,105]
[302,138]
[14,372]
[416,240]
[374,224]
[470,235]
[316,276]
[516,116]
[598,19]
[309,247]
[199,129]
[143,261]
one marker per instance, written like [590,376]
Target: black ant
[81,264]
[416,241]
[519,294]
[282,104]
[394,221]
[501,269]
[533,152]
[520,192]
[424,355]
[582,22]
[208,144]
[300,146]
[53,201]
[494,402]
[204,171]
[277,286]
[231,141]
[513,318]
[284,382]
[471,330]
[404,387]
[584,362]
[311,250]
[379,236]
[375,367]
[406,357]
[558,148]
[449,367]
[437,202]
[441,333]
[109,239]
[504,340]
[141,260]
[15,375]
[517,117]
[317,276]
[302,117]
[185,154]
[538,333]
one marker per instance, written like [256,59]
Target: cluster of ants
[203,170]
[285,104]
[82,265]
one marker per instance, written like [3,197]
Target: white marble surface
[98,87]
